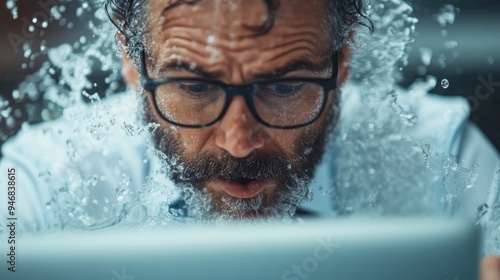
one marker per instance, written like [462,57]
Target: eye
[196,87]
[287,88]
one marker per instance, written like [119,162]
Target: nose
[239,133]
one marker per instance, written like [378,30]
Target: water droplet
[11,5]
[490,60]
[211,39]
[451,44]
[10,122]
[83,40]
[16,94]
[426,56]
[447,15]
[445,83]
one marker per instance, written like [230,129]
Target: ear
[345,59]
[128,70]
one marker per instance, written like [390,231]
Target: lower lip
[237,190]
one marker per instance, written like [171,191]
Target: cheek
[194,141]
[285,141]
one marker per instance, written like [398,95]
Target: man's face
[239,167]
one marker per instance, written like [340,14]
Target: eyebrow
[294,65]
[185,66]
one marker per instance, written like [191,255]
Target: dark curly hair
[127,16]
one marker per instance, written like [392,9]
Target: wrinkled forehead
[237,20]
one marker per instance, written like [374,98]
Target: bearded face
[239,166]
[285,178]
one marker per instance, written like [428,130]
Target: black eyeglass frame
[328,85]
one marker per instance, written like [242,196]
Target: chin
[261,207]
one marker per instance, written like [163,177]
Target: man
[250,96]
[243,95]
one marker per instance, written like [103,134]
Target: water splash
[380,167]
[489,218]
[380,170]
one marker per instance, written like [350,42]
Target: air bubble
[445,83]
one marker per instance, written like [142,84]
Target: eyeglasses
[286,103]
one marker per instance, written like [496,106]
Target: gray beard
[190,175]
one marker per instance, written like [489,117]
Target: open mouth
[242,188]
[243,181]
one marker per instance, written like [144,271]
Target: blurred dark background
[466,53]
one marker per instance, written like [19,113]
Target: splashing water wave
[380,168]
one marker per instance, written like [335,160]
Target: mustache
[256,166]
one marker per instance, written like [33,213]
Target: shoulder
[92,152]
[443,123]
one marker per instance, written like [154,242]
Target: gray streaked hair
[128,17]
